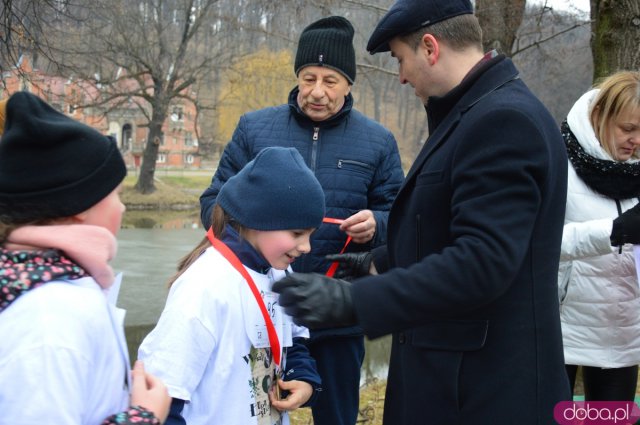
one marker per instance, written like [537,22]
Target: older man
[357,163]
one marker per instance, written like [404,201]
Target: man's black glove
[352,264]
[316,301]
[626,228]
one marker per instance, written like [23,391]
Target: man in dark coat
[467,280]
[357,163]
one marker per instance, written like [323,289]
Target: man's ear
[431,48]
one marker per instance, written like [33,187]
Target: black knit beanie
[275,191]
[328,42]
[51,165]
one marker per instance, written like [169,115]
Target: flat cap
[406,16]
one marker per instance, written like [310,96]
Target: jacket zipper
[341,162]
[314,148]
[619,214]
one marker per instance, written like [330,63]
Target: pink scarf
[91,247]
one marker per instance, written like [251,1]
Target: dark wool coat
[470,292]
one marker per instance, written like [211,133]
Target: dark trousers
[339,360]
[606,384]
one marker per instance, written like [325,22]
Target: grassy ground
[371,404]
[176,196]
[172,192]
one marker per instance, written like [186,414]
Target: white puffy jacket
[598,285]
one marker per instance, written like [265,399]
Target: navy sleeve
[301,366]
[380,259]
[387,181]
[175,413]
[235,156]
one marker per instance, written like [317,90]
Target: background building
[125,121]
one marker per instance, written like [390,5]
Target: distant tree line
[232,56]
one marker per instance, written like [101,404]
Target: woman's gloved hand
[626,228]
[352,264]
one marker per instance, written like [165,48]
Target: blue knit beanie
[275,191]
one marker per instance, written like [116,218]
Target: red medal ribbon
[334,265]
[226,252]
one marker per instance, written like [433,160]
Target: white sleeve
[299,331]
[178,349]
[586,239]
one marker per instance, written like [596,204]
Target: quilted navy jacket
[355,159]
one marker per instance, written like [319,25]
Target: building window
[188,159]
[127,131]
[161,159]
[188,139]
[177,114]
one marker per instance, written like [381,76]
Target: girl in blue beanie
[223,346]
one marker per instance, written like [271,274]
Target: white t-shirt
[202,345]
[63,356]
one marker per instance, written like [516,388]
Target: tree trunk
[500,20]
[145,183]
[615,39]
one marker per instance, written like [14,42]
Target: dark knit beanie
[51,165]
[328,42]
[275,191]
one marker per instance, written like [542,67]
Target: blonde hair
[3,114]
[219,221]
[619,93]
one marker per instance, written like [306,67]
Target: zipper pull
[316,130]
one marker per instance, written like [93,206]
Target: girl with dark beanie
[63,356]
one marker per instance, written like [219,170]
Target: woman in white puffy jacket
[598,284]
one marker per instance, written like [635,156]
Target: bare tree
[553,55]
[23,29]
[148,52]
[615,40]
[500,20]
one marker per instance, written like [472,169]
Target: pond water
[148,258]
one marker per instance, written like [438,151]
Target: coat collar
[438,107]
[245,252]
[484,81]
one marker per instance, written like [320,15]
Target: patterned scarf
[613,179]
[22,271]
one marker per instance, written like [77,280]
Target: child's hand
[299,393]
[149,392]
